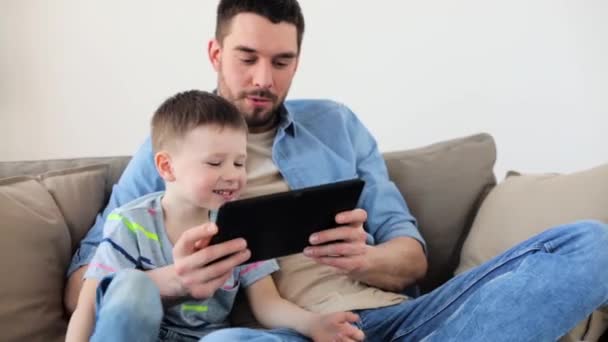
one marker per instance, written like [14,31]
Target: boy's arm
[82,321]
[272,311]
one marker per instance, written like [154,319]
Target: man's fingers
[186,242]
[336,250]
[356,216]
[344,233]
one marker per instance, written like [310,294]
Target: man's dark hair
[188,110]
[274,10]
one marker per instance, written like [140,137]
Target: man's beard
[258,117]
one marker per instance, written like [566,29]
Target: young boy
[200,143]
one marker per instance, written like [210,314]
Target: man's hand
[346,248]
[198,267]
[336,327]
[392,265]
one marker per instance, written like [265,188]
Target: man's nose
[262,77]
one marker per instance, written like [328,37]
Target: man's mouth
[259,101]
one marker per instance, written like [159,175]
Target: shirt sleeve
[388,215]
[138,179]
[250,273]
[118,249]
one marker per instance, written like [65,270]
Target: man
[536,291]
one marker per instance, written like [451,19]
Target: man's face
[255,63]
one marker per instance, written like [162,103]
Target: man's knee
[247,334]
[593,231]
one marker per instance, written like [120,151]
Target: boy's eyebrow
[247,49]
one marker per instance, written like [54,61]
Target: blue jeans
[536,291]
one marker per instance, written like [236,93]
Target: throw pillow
[525,205]
[443,185]
[34,253]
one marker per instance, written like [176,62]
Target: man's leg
[536,291]
[128,308]
[254,335]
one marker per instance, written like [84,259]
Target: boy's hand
[336,327]
[196,263]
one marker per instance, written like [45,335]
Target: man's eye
[280,64]
[248,61]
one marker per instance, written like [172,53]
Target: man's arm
[394,255]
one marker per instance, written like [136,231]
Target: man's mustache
[263,93]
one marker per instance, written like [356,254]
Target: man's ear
[162,161]
[214,51]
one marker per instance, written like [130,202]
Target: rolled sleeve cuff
[405,230]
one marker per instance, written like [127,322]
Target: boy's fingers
[186,243]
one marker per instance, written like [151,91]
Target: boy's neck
[179,217]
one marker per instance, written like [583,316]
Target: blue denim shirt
[317,141]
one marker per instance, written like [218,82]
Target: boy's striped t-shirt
[134,237]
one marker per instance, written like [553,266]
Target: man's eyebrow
[286,55]
[247,49]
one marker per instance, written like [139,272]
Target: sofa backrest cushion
[443,185]
[79,194]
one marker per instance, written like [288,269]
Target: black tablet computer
[280,224]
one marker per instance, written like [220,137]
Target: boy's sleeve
[118,249]
[250,273]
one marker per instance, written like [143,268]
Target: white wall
[81,78]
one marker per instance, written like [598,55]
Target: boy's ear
[162,160]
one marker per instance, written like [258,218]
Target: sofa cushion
[34,253]
[79,194]
[443,185]
[524,205]
[116,166]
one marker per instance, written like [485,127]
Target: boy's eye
[239,164]
[214,163]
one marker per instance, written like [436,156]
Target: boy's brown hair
[188,110]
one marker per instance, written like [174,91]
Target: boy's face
[208,166]
[256,62]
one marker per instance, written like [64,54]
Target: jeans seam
[533,248]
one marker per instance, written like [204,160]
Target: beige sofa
[46,208]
